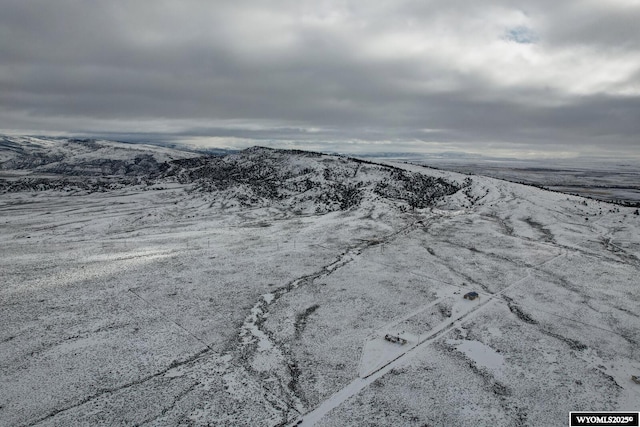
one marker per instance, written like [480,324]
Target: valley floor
[160,307]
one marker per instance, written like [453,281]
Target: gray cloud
[535,76]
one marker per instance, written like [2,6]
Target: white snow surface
[77,150]
[163,307]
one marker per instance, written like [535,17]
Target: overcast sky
[522,78]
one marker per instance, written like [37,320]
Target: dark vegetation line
[618,202]
[257,176]
[173,365]
[102,392]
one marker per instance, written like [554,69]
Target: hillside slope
[258,288]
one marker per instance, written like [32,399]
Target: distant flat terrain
[604,181]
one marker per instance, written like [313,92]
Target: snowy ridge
[72,157]
[257,289]
[73,150]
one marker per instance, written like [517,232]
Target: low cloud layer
[500,77]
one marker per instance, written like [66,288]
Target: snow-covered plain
[156,304]
[599,179]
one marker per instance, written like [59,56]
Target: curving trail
[312,417]
[511,212]
[163,328]
[262,361]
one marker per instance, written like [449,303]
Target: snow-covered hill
[293,180]
[85,157]
[258,288]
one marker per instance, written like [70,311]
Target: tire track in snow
[357,385]
[263,361]
[106,391]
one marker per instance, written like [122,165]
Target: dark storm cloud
[523,74]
